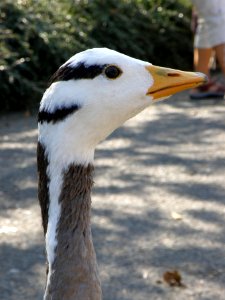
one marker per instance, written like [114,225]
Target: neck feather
[73,273]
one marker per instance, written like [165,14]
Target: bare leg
[202,64]
[201,60]
[220,54]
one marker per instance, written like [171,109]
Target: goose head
[95,92]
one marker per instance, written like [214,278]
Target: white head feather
[104,104]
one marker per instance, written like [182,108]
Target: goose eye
[112,72]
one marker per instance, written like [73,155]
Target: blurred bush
[37,36]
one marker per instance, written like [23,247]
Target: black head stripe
[58,115]
[80,71]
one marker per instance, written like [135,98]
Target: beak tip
[204,77]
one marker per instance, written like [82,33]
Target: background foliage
[36,36]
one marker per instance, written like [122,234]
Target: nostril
[173,74]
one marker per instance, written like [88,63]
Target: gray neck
[74,273]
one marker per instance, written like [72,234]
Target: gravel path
[158,205]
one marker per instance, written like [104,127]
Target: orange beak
[167,82]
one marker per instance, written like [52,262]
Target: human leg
[220,55]
[201,60]
[202,64]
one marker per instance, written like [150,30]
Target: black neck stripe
[80,71]
[58,115]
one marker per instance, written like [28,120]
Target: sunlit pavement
[158,205]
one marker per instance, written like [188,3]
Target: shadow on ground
[175,160]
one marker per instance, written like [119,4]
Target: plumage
[90,96]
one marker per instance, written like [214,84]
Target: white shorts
[211,23]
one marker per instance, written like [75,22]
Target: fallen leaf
[173,278]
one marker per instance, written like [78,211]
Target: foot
[210,90]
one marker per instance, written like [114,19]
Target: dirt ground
[158,205]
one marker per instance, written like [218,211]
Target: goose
[90,95]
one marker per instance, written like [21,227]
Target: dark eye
[112,72]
